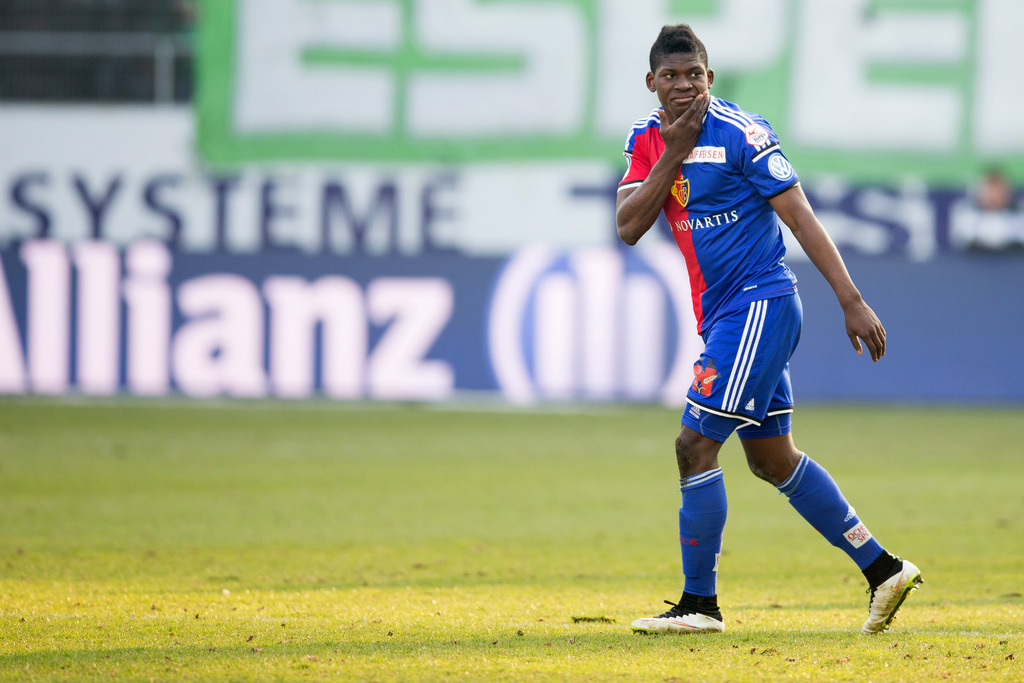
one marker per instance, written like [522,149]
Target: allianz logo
[593,324]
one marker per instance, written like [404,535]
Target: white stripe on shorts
[745,355]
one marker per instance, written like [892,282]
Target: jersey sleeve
[760,156]
[637,153]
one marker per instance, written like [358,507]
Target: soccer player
[720,177]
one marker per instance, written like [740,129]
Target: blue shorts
[741,381]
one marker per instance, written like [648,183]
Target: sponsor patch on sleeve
[756,134]
[779,167]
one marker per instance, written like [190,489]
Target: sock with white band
[815,495]
[701,523]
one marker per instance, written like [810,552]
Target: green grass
[269,541]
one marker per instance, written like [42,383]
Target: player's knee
[693,457]
[773,467]
[684,455]
[759,471]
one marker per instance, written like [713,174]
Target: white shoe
[678,620]
[887,597]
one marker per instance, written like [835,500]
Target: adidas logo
[750,404]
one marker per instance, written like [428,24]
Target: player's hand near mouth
[681,134]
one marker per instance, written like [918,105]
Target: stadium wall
[131,267]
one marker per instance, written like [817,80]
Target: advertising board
[872,91]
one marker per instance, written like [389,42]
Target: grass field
[269,541]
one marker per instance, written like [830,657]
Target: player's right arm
[638,206]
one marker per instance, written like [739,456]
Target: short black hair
[679,38]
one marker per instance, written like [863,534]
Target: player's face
[679,78]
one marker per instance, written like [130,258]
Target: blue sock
[814,494]
[701,522]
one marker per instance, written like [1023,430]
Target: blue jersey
[718,208]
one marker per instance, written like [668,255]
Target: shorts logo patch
[779,167]
[858,535]
[681,190]
[756,134]
[705,375]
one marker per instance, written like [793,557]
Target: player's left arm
[861,322]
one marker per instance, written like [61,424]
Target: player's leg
[702,514]
[772,456]
[813,493]
[711,416]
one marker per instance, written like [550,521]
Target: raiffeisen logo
[594,324]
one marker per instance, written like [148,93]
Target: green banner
[870,90]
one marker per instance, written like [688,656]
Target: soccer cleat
[679,620]
[887,597]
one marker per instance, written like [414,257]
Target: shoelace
[676,610]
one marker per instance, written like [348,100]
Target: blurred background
[413,199]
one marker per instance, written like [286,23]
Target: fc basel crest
[704,375]
[681,190]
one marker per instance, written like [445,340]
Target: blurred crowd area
[993,221]
[103,51]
